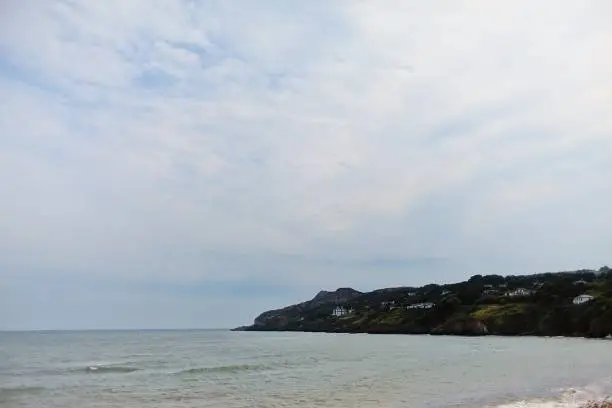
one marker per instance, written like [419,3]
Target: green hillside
[577,303]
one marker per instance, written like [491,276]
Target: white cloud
[142,137]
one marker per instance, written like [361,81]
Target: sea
[225,369]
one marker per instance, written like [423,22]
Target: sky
[190,164]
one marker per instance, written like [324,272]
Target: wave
[223,369]
[103,369]
[568,398]
[540,404]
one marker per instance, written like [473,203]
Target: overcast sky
[169,164]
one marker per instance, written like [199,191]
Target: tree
[449,304]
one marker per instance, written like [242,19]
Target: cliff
[577,303]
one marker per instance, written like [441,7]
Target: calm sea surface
[234,369]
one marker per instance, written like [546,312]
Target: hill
[576,303]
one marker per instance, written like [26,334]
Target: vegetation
[542,304]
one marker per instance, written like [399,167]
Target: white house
[520,292]
[445,292]
[411,294]
[578,300]
[580,282]
[424,305]
[341,311]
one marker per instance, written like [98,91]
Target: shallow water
[242,369]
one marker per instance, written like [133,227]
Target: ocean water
[245,369]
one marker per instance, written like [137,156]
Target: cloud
[312,146]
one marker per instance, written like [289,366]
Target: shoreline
[391,333]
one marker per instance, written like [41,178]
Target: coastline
[565,304]
[391,333]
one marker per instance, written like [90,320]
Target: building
[578,300]
[388,304]
[580,282]
[520,292]
[445,292]
[341,311]
[424,305]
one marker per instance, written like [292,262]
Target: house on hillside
[341,311]
[445,292]
[578,300]
[410,294]
[580,282]
[491,290]
[424,305]
[520,292]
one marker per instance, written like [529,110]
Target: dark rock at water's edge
[577,303]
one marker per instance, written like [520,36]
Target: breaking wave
[567,398]
[102,369]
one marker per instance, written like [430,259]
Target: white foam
[540,403]
[568,398]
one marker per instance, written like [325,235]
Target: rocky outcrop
[339,296]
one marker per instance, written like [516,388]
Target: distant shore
[563,304]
